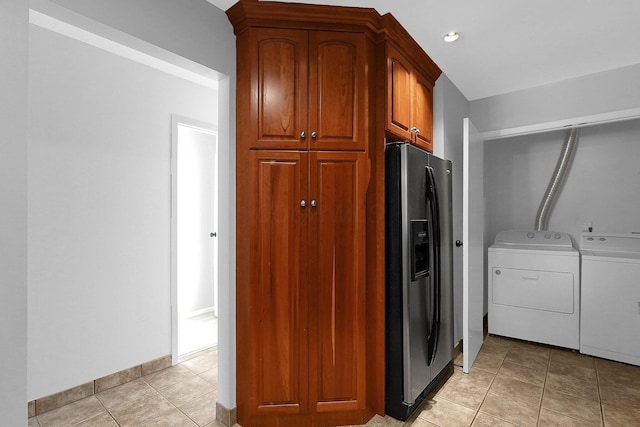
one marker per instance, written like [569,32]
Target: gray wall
[450,108]
[13,211]
[603,184]
[194,29]
[604,92]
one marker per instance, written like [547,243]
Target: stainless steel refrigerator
[418,276]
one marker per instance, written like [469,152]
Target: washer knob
[530,235]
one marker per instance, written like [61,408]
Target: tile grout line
[489,388]
[108,412]
[544,388]
[595,363]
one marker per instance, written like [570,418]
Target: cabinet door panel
[337,255]
[337,90]
[278,296]
[422,113]
[398,95]
[281,88]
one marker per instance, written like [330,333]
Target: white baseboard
[206,310]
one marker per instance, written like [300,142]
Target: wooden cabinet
[303,169]
[310,129]
[409,101]
[310,89]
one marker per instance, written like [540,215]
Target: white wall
[450,108]
[601,186]
[13,211]
[99,209]
[200,32]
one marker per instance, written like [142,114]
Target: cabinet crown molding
[250,13]
[393,32]
[384,28]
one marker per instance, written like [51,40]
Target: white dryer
[534,287]
[610,320]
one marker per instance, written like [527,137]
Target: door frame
[177,121]
[473,227]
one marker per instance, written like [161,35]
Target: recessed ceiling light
[451,37]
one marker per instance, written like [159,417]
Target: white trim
[201,312]
[52,17]
[595,119]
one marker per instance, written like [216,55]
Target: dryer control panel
[554,239]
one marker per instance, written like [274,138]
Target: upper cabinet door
[280,86]
[398,95]
[409,102]
[337,90]
[422,113]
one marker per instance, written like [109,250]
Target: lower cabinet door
[305,313]
[277,359]
[338,185]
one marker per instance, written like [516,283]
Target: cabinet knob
[303,203]
[314,134]
[314,203]
[303,134]
[415,129]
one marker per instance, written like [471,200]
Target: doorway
[194,237]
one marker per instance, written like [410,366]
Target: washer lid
[553,240]
[611,256]
[611,244]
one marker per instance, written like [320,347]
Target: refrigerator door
[444,345]
[417,240]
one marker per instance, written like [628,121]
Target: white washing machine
[534,287]
[610,319]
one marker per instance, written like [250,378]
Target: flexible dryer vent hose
[557,180]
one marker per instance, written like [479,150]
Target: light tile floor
[513,383]
[197,332]
[183,395]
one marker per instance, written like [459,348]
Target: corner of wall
[14,48]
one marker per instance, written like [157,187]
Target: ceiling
[509,45]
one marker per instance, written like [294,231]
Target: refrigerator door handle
[434,210]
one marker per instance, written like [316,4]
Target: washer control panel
[611,242]
[554,239]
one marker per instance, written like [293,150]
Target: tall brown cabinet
[310,249]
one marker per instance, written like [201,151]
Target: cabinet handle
[303,134]
[303,203]
[314,134]
[314,203]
